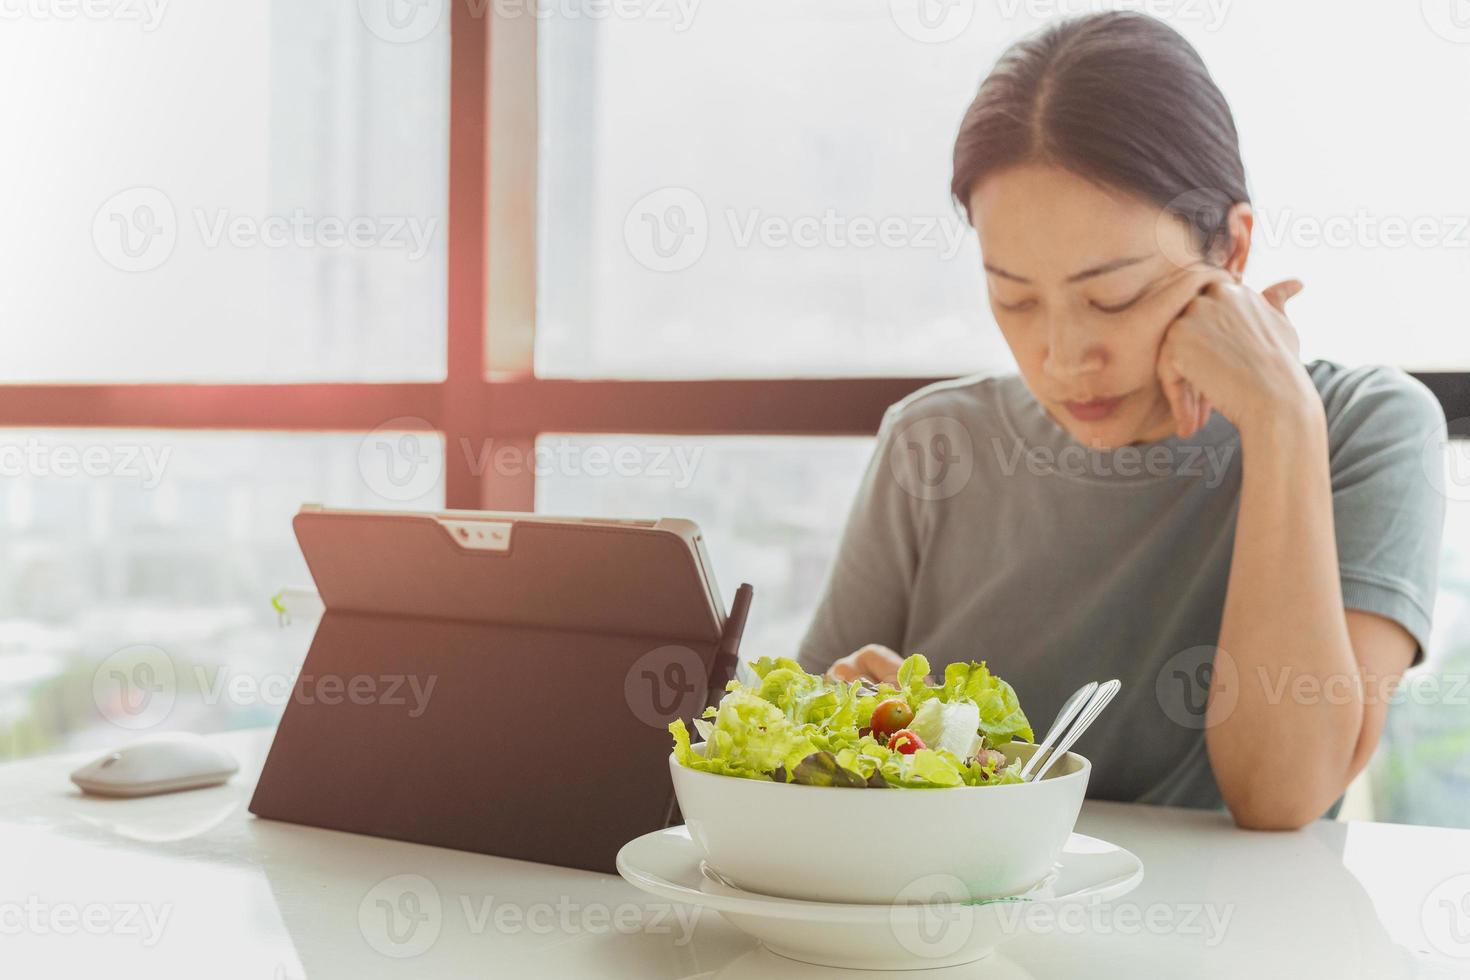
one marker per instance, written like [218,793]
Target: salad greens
[797,727]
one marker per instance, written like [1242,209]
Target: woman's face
[1084,281]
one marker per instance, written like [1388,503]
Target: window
[720,229]
[125,550]
[742,492]
[781,210]
[279,217]
[760,188]
[1423,765]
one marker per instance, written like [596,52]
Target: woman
[1165,494]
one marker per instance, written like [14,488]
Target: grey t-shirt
[983,531]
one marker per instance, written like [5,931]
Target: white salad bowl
[882,846]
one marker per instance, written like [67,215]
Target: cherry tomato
[890,716]
[905,742]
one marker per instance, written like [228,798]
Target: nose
[1070,352]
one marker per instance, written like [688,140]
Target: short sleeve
[1386,434]
[866,598]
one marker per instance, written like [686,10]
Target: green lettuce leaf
[823,769]
[1001,717]
[797,727]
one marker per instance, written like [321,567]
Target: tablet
[498,682]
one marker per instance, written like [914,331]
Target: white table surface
[192,885]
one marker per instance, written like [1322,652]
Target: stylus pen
[727,655]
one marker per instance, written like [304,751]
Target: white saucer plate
[931,925]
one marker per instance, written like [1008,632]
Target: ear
[1240,220]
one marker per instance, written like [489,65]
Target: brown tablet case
[511,702]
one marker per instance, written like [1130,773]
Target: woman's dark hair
[1120,99]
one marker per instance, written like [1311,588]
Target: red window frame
[479,400]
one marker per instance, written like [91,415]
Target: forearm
[1281,758]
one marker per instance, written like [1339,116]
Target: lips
[1094,409]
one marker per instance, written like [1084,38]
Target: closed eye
[1020,307]
[1119,308]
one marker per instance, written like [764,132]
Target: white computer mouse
[160,763]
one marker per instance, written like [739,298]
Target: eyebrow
[1097,270]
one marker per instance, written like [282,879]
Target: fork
[1084,705]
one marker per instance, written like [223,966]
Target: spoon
[1095,705]
[1064,718]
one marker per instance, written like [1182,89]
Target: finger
[874,662]
[1191,421]
[1205,409]
[1172,386]
[1170,379]
[1216,284]
[879,663]
[1279,293]
[1176,393]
